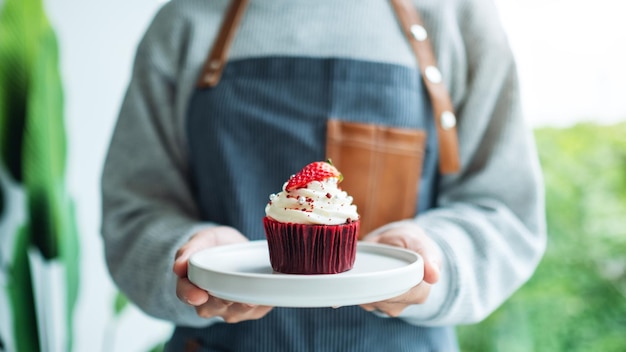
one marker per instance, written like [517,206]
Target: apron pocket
[382,167]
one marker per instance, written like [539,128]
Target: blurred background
[571,57]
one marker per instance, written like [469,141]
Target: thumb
[432,265]
[195,243]
[419,242]
[432,270]
[180,261]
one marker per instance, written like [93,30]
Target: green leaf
[158,348]
[32,135]
[44,151]
[21,296]
[21,23]
[51,211]
[2,203]
[70,254]
[121,302]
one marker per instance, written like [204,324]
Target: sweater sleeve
[148,206]
[489,222]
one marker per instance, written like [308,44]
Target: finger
[190,293]
[388,238]
[368,307]
[232,312]
[416,295]
[390,309]
[432,269]
[240,311]
[201,240]
[260,311]
[181,265]
[371,238]
[213,307]
[419,243]
[394,306]
[432,261]
[393,310]
[181,258]
[206,238]
[395,239]
[218,304]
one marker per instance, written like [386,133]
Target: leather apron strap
[417,35]
[214,65]
[443,110]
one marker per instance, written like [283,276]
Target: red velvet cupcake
[312,226]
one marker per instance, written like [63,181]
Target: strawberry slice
[315,171]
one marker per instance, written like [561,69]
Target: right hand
[206,305]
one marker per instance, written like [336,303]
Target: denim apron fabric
[266,119]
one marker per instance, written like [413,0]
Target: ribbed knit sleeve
[148,207]
[489,222]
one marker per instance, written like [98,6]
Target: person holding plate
[417,101]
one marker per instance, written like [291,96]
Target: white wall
[571,57]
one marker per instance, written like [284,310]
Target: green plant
[33,152]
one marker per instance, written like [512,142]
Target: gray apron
[267,118]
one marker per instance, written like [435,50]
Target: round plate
[242,273]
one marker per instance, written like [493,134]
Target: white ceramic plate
[242,273]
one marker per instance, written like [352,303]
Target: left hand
[412,237]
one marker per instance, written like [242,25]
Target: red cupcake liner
[311,249]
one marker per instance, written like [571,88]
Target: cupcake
[312,226]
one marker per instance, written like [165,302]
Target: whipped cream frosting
[320,202]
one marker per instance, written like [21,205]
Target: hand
[409,236]
[206,305]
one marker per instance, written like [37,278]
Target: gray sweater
[489,223]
